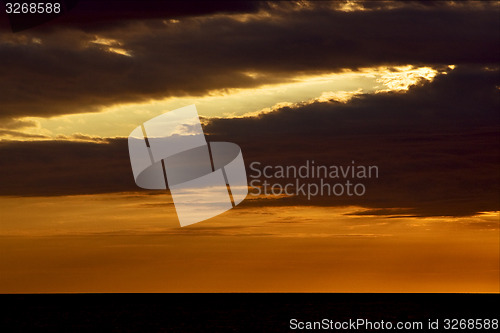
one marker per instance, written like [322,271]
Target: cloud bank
[72,68]
[436,147]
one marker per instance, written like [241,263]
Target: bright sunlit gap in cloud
[119,120]
[111,45]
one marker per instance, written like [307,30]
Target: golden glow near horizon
[131,242]
[119,120]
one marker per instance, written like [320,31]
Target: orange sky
[132,243]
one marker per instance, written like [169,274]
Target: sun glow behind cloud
[111,45]
[118,121]
[405,76]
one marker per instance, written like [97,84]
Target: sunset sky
[412,87]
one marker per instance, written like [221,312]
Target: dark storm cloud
[64,167]
[92,14]
[97,14]
[51,71]
[436,146]
[465,99]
